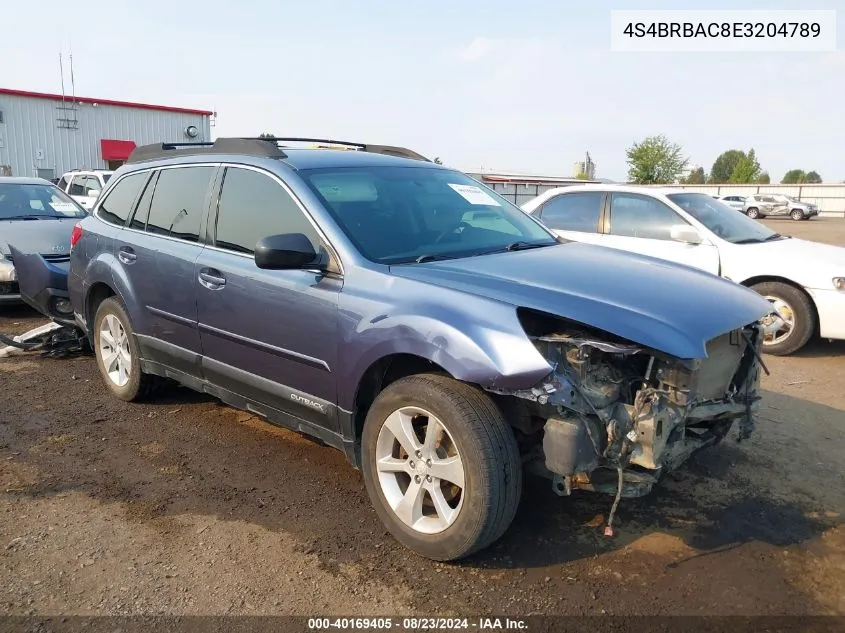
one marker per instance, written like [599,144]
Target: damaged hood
[670,308]
[46,237]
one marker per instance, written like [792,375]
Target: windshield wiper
[776,236]
[430,258]
[523,246]
[749,240]
[33,216]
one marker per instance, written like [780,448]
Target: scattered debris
[51,339]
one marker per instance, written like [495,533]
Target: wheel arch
[97,293]
[383,372]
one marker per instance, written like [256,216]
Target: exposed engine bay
[613,416]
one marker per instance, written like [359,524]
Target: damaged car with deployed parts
[404,313]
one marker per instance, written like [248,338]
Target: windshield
[24,201]
[405,214]
[727,223]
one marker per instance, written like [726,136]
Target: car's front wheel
[116,350]
[753,213]
[797,315]
[441,466]
[797,214]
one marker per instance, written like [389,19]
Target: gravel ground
[185,506]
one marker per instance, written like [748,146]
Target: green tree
[793,177]
[724,165]
[764,178]
[581,175]
[695,177]
[655,161]
[747,169]
[437,160]
[266,135]
[813,177]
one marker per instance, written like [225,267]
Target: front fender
[485,345]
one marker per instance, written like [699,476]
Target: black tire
[489,453]
[753,213]
[803,311]
[139,385]
[797,215]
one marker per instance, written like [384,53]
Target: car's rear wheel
[753,213]
[797,214]
[798,317]
[116,350]
[441,466]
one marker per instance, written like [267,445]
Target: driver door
[267,335]
[641,224]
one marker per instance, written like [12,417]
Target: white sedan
[804,280]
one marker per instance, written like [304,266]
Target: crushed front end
[613,416]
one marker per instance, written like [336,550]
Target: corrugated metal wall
[37,135]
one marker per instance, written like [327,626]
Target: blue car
[407,315]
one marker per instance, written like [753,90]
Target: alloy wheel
[420,470]
[114,350]
[787,315]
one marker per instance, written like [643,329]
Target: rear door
[574,216]
[642,224]
[157,253]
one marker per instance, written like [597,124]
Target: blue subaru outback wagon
[409,316]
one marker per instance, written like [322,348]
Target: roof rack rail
[264,148]
[401,152]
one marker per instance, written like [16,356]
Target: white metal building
[47,134]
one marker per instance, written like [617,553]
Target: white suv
[84,186]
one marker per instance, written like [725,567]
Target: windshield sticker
[63,207]
[475,195]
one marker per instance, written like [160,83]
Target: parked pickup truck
[84,186]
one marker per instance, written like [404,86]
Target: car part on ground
[51,340]
[457,352]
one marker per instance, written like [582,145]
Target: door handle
[212,279]
[126,255]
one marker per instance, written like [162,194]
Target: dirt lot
[184,506]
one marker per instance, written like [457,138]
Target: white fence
[829,198]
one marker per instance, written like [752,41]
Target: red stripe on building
[109,102]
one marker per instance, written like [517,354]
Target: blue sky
[522,86]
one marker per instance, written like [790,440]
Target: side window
[117,206]
[573,212]
[254,206]
[139,220]
[62,184]
[633,215]
[91,185]
[178,203]
[77,186]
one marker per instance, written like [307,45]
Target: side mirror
[685,233]
[93,193]
[287,251]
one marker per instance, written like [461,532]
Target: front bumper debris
[616,416]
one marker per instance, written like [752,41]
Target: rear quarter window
[118,203]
